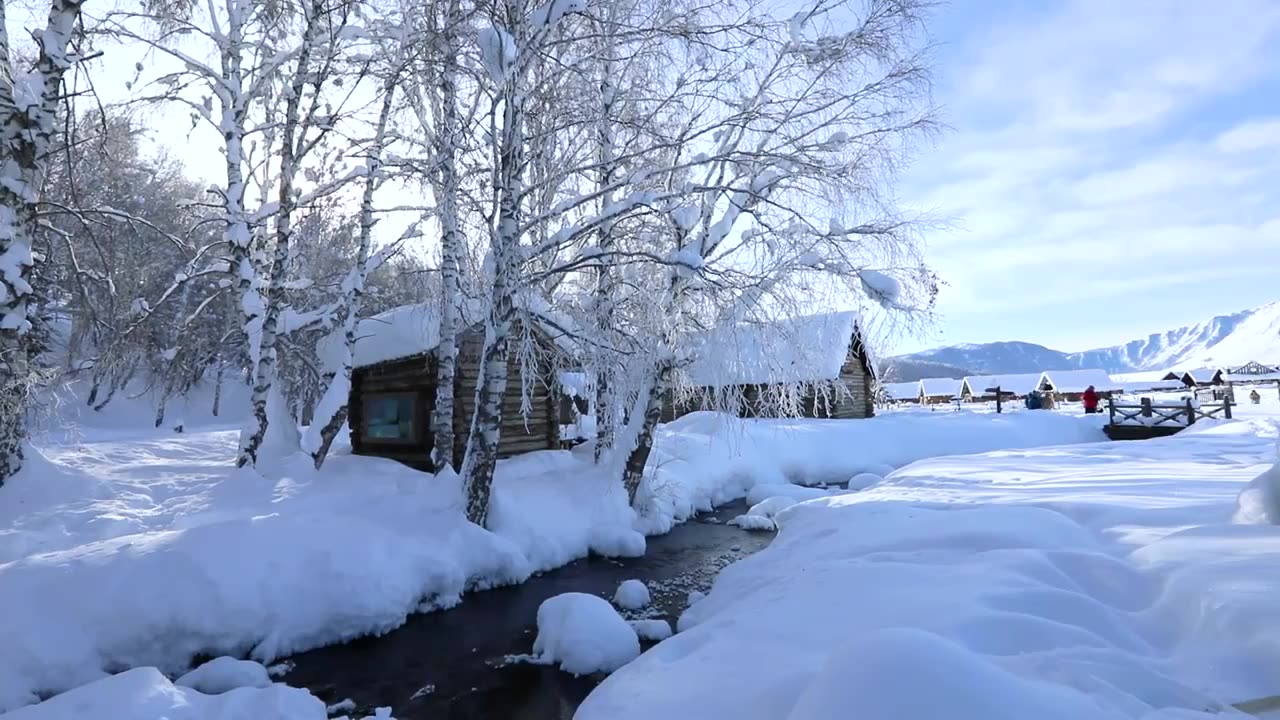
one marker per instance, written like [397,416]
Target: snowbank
[706,459]
[145,694]
[183,555]
[583,634]
[1094,581]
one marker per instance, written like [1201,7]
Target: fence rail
[1166,415]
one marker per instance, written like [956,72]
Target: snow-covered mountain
[1224,340]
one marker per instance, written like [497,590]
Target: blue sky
[1112,168]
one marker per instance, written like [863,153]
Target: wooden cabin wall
[414,374]
[538,430]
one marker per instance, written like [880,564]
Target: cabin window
[390,417]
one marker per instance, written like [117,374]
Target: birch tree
[28,107]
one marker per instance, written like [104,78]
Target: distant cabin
[901,393]
[1202,377]
[819,363]
[939,391]
[1070,385]
[393,390]
[980,388]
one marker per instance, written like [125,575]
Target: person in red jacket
[1090,398]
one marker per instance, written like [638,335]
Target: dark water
[454,664]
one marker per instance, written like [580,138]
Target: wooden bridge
[1145,419]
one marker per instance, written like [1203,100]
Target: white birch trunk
[605,405]
[264,372]
[28,106]
[447,190]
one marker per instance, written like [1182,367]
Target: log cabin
[814,366]
[393,390]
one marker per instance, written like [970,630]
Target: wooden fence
[1145,419]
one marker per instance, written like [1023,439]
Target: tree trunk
[339,389]
[486,425]
[606,408]
[633,469]
[447,186]
[26,135]
[252,438]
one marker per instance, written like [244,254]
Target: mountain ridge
[1223,340]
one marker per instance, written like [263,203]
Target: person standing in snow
[1090,399]
[1254,397]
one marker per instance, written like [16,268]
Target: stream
[453,664]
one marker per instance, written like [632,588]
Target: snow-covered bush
[583,634]
[631,595]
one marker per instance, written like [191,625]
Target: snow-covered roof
[1145,385]
[902,390]
[801,349]
[1018,384]
[397,333]
[1202,375]
[935,387]
[1145,376]
[1074,381]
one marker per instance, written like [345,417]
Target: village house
[812,366]
[939,391]
[1070,385]
[393,389]
[980,388]
[901,393]
[1201,377]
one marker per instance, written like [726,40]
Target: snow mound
[614,541]
[754,522]
[760,493]
[145,694]
[583,634]
[1259,501]
[631,595]
[913,674]
[225,673]
[770,507]
[652,630]
[864,480]
[694,596]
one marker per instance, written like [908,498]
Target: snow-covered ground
[1108,580]
[127,549]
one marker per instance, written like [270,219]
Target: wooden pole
[1226,407]
[1191,413]
[1146,407]
[1111,408]
[999,406]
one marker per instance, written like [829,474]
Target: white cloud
[1250,136]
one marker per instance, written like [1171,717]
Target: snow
[631,595]
[498,52]
[652,629]
[184,555]
[1018,384]
[883,289]
[1202,375]
[901,391]
[770,507]
[145,694]
[1098,580]
[583,634]
[223,674]
[391,335]
[1075,381]
[864,480]
[940,387]
[807,348]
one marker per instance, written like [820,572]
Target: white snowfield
[1100,581]
[147,550]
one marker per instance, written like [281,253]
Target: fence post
[1111,408]
[1191,413]
[1146,407]
[1226,408]
[999,405]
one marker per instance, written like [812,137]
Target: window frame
[415,404]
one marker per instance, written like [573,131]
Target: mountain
[1224,340]
[906,369]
